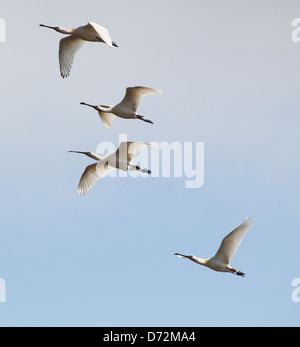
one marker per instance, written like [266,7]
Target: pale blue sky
[229,72]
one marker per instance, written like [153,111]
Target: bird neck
[199,260]
[59,29]
[64,30]
[104,108]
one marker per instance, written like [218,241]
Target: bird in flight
[78,36]
[127,108]
[221,261]
[121,159]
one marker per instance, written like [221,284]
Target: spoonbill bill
[127,108]
[121,159]
[221,261]
[78,36]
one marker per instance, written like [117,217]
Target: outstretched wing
[232,241]
[68,47]
[91,175]
[131,149]
[134,96]
[102,32]
[107,118]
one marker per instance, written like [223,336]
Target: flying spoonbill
[221,261]
[127,108]
[121,159]
[78,36]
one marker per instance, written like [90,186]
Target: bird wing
[68,47]
[231,242]
[91,175]
[107,118]
[134,96]
[131,149]
[102,32]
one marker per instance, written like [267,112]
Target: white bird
[127,108]
[121,159]
[221,261]
[69,46]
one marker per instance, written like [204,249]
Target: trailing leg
[145,120]
[143,170]
[236,272]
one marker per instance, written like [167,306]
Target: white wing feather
[102,32]
[107,118]
[131,148]
[134,96]
[68,47]
[91,175]
[232,241]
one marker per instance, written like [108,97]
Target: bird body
[127,108]
[93,32]
[221,260]
[121,159]
[78,36]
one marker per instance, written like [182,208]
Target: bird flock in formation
[122,158]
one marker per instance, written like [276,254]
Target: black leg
[145,120]
[143,170]
[239,273]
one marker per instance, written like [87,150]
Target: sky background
[230,76]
